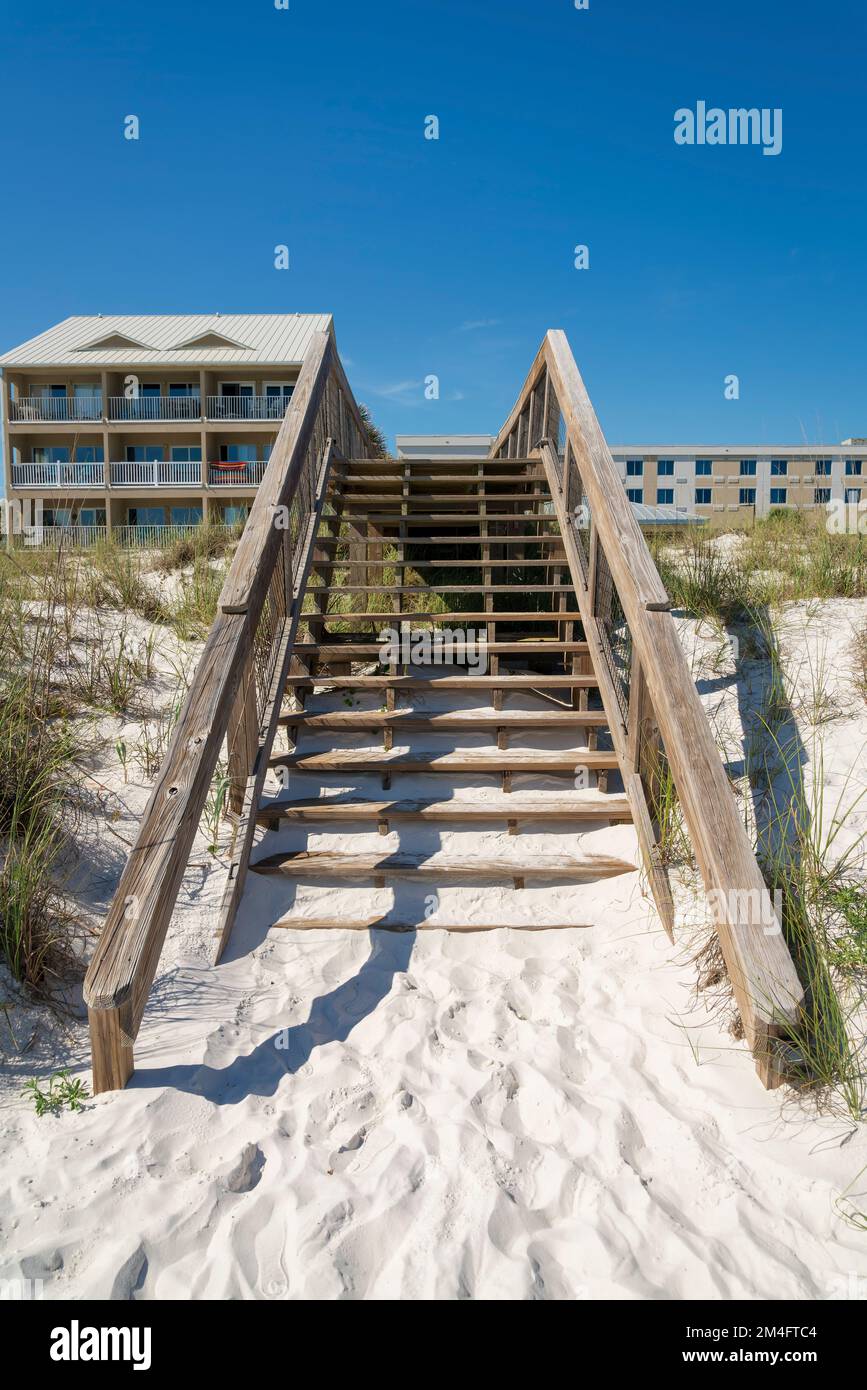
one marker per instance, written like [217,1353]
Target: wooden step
[358,651]
[464,760]
[380,923]
[447,518]
[396,480]
[586,806]
[553,539]
[421,500]
[470,722]
[538,681]
[369,616]
[430,464]
[327,864]
[456,564]
[440,588]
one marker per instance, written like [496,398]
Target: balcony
[247,474]
[155,474]
[74,537]
[60,475]
[55,408]
[137,408]
[153,537]
[247,407]
[53,537]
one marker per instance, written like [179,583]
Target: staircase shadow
[774,754]
[332,1018]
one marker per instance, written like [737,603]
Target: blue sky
[306,127]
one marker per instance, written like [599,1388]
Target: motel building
[139,427]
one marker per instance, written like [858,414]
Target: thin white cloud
[472,325]
[398,388]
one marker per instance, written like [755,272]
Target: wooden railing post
[242,736]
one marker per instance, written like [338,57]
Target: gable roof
[113,340]
[211,340]
[154,340]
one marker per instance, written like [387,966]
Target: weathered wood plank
[467,722]
[325,864]
[466,760]
[379,923]
[434,683]
[589,806]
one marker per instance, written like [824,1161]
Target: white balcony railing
[247,407]
[247,474]
[155,474]
[74,537]
[41,408]
[155,408]
[60,475]
[151,537]
[52,537]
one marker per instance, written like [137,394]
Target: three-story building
[132,426]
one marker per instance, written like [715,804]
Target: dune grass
[817,873]
[37,781]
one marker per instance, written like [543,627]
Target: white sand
[510,1114]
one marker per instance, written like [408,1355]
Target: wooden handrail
[246,641]
[762,972]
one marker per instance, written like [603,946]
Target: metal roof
[157,339]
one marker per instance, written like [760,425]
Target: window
[236,388]
[56,516]
[635,468]
[703,468]
[665,468]
[47,393]
[635,494]
[821,495]
[186,453]
[183,388]
[235,516]
[278,394]
[823,468]
[748,468]
[778,496]
[665,496]
[145,516]
[91,516]
[748,497]
[88,453]
[853,468]
[88,401]
[150,388]
[779,468]
[50,454]
[853,494]
[186,516]
[238,453]
[144,453]
[702,496]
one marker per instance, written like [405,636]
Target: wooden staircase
[374,572]
[568,716]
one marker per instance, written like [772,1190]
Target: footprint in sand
[247,1171]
